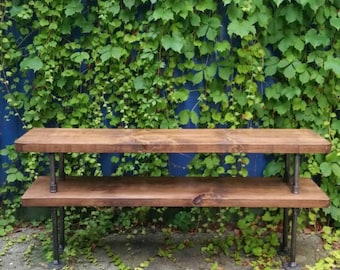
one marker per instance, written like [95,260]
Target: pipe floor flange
[56,265]
[291,266]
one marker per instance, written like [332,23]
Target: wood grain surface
[63,140]
[174,191]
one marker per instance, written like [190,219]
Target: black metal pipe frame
[296,184]
[56,258]
[57,223]
[292,265]
[58,219]
[294,238]
[295,188]
[61,209]
[286,177]
[53,183]
[284,250]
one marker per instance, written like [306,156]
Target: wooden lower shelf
[174,192]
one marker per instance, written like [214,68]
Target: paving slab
[22,250]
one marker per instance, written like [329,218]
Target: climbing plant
[169,64]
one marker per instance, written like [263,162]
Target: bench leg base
[291,266]
[284,250]
[58,237]
[56,265]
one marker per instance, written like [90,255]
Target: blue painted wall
[11,128]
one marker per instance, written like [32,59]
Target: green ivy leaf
[273,168]
[183,8]
[79,57]
[211,34]
[206,5]
[225,72]
[317,39]
[336,125]
[114,8]
[332,157]
[257,251]
[289,72]
[290,40]
[240,97]
[273,92]
[15,10]
[184,117]
[174,42]
[278,2]
[333,63]
[163,14]
[293,13]
[194,117]
[222,46]
[226,2]
[270,70]
[109,51]
[65,27]
[202,31]
[322,101]
[241,28]
[129,3]
[326,169]
[291,91]
[195,20]
[283,63]
[303,2]
[336,169]
[73,7]
[139,83]
[335,21]
[304,77]
[210,71]
[198,77]
[282,107]
[181,95]
[316,4]
[299,105]
[85,25]
[218,96]
[33,63]
[229,159]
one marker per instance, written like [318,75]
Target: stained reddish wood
[56,140]
[177,192]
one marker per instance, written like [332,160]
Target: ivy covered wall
[170,64]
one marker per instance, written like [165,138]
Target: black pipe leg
[296,184]
[292,265]
[61,166]
[53,182]
[284,250]
[56,258]
[56,263]
[61,229]
[287,169]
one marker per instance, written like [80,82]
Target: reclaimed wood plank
[67,140]
[174,192]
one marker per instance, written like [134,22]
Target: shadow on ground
[151,251]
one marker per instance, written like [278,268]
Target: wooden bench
[288,192]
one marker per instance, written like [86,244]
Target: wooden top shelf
[79,140]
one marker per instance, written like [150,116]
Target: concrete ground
[22,250]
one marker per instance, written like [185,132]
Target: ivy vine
[168,64]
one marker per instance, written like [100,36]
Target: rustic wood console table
[288,192]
